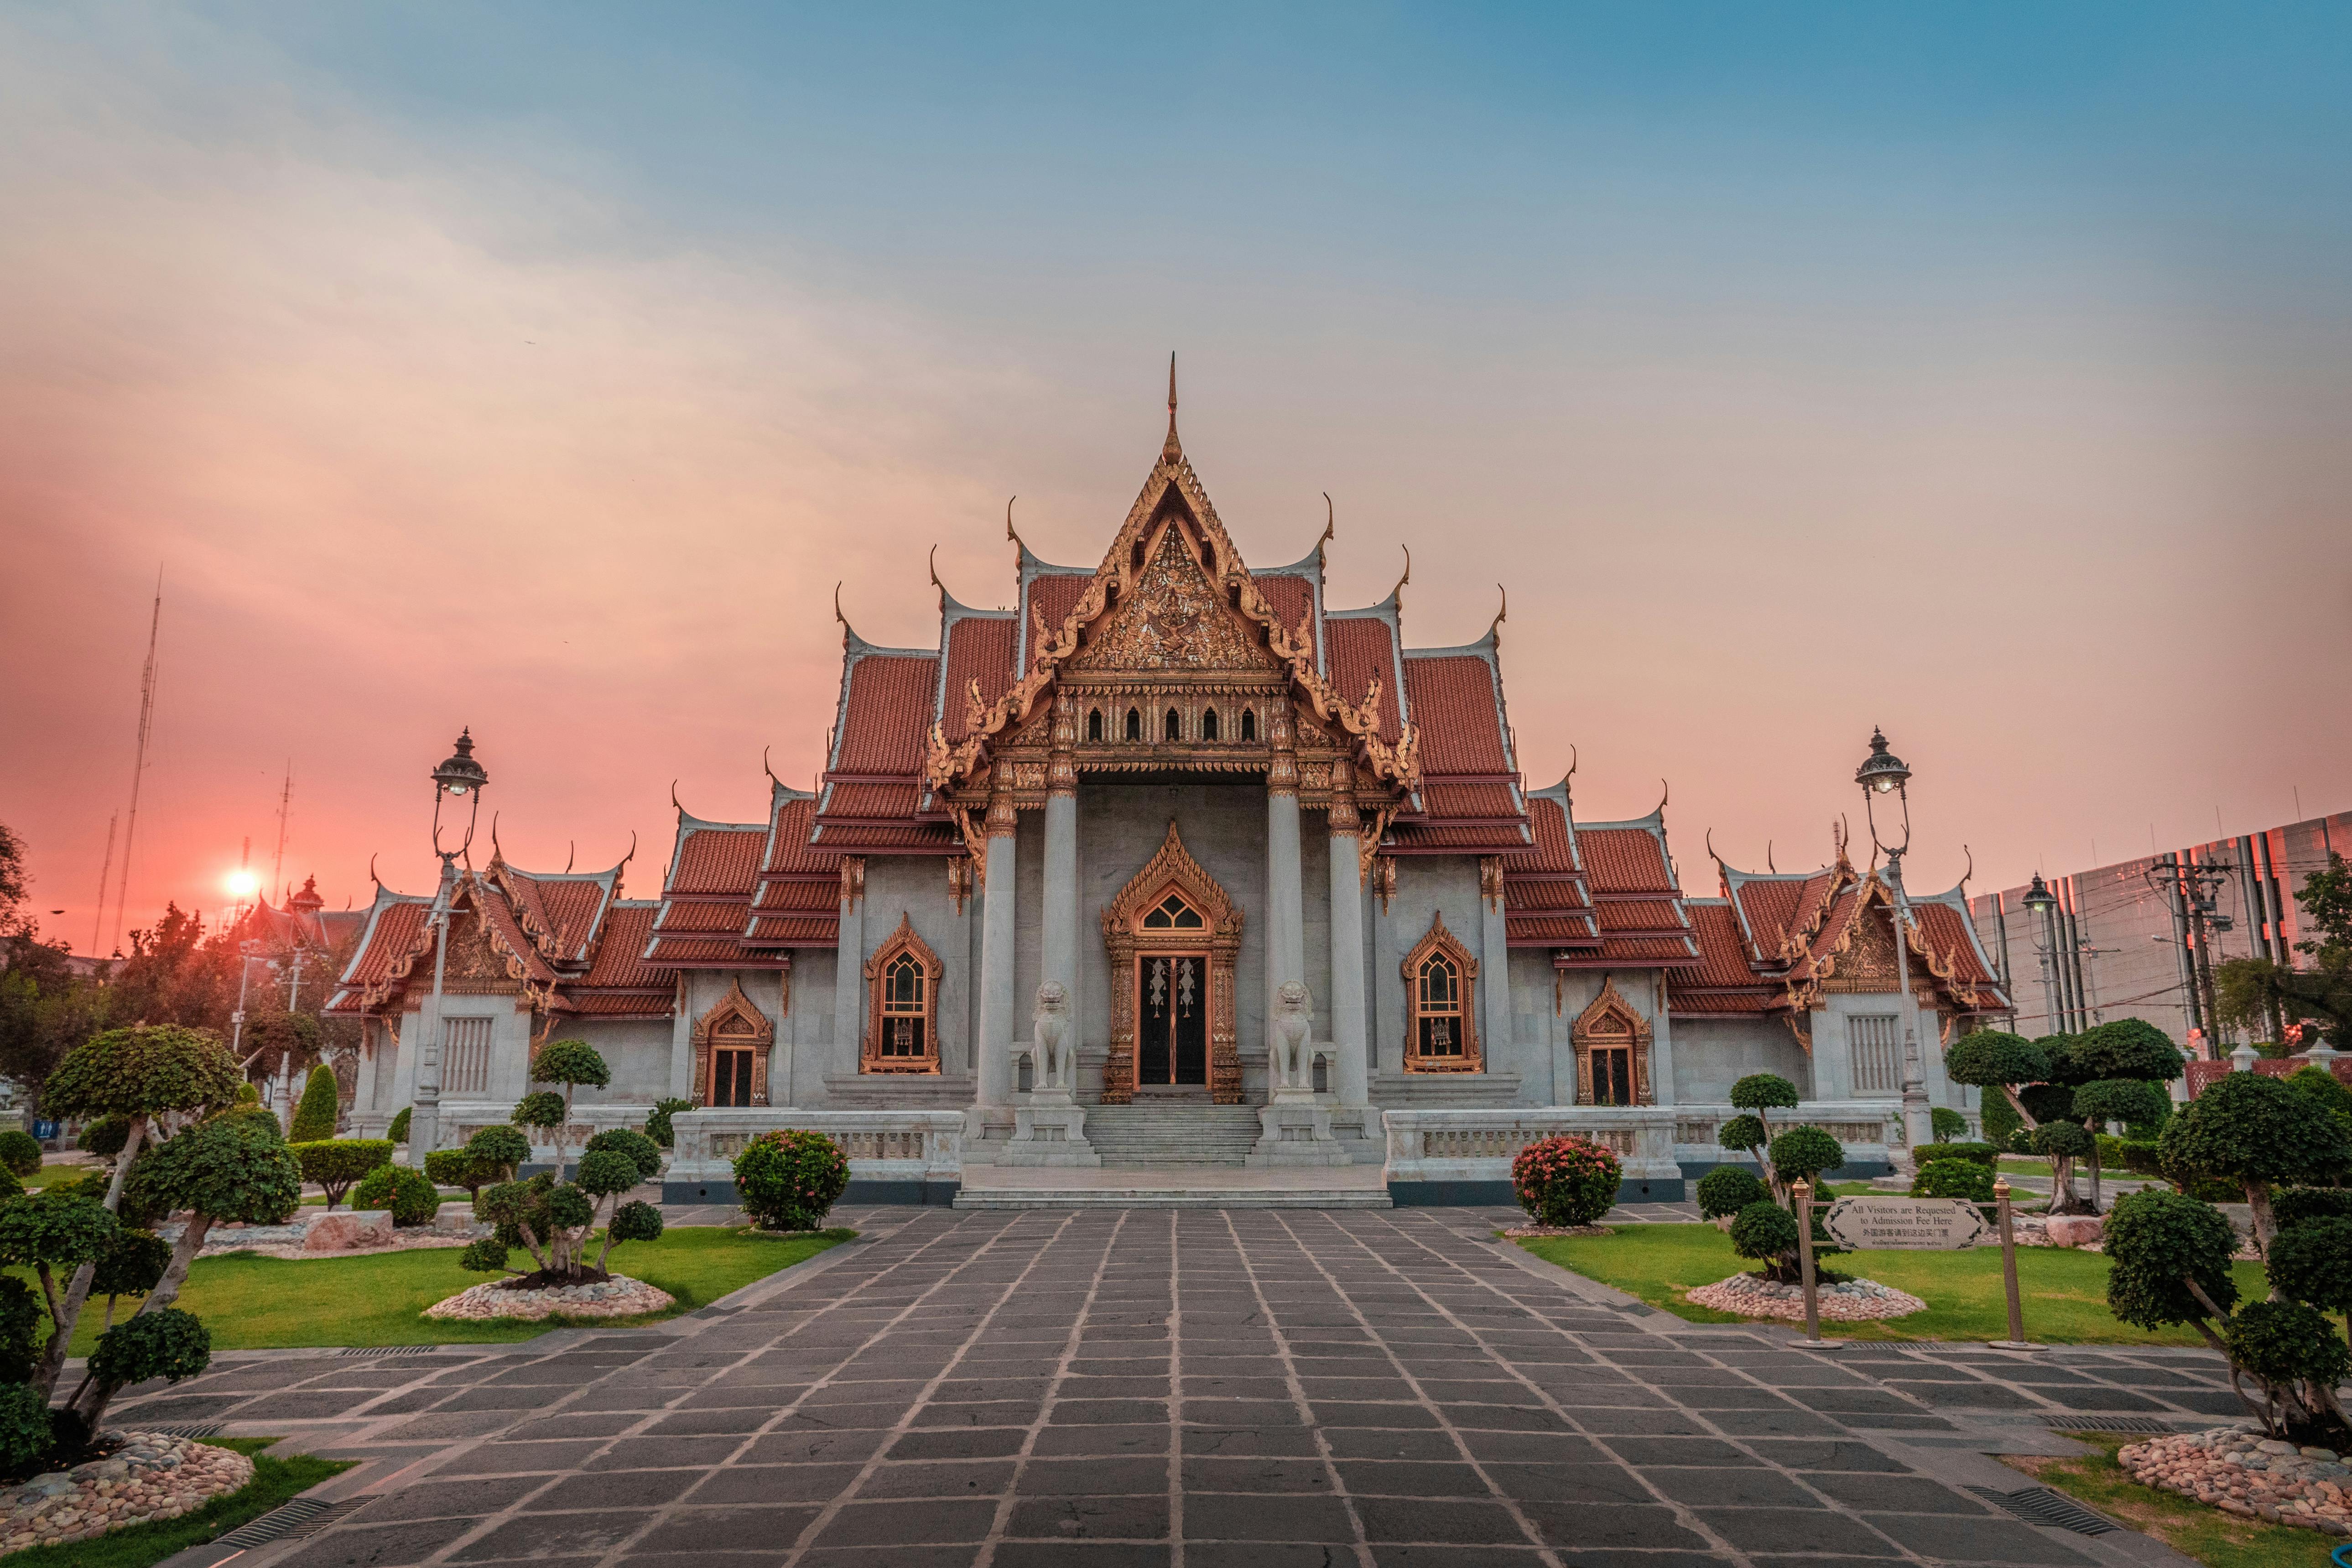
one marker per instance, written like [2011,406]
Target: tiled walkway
[1259,1387]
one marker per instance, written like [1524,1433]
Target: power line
[139,765]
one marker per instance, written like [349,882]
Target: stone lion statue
[1294,1027]
[1055,1063]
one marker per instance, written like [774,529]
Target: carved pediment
[1175,620]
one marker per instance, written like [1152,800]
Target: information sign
[1906,1225]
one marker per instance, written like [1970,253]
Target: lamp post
[460,780]
[1883,773]
[2041,901]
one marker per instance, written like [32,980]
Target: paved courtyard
[1258,1387]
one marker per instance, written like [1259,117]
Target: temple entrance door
[1172,1019]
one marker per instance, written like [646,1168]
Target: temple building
[1066,871]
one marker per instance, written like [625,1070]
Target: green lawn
[2213,1538]
[250,1303]
[2064,1292]
[274,1482]
[50,1175]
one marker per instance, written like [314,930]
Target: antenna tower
[98,921]
[285,804]
[139,766]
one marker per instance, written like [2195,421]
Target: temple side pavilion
[1180,790]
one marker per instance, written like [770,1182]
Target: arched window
[1134,725]
[1209,724]
[1094,725]
[1172,728]
[731,1042]
[1173,913]
[1442,1031]
[902,1030]
[1249,723]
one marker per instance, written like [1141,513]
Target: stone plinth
[1050,1130]
[1296,1132]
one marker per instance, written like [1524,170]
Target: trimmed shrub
[335,1164]
[541,1108]
[1747,1133]
[398,1131]
[485,1254]
[1953,1179]
[1762,1091]
[2258,1133]
[1805,1152]
[500,1149]
[20,1330]
[2312,1261]
[105,1136]
[2130,1100]
[406,1192]
[145,1070]
[1984,1154]
[314,1116]
[635,1222]
[2048,1102]
[572,1063]
[2138,1156]
[2126,1048]
[1947,1123]
[454,1168]
[2158,1243]
[247,1093]
[1990,1058]
[1727,1189]
[1565,1180]
[25,1432]
[2062,1141]
[791,1178]
[640,1149]
[604,1173]
[167,1343]
[20,1152]
[1764,1231]
[657,1127]
[2313,1080]
[2297,1356]
[2295,1204]
[10,1187]
[132,1264]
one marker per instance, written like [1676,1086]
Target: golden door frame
[733,1023]
[1172,870]
[1612,1024]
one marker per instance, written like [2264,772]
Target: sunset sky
[1981,372]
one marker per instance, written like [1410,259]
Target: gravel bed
[619,1297]
[151,1476]
[1850,1301]
[2239,1470]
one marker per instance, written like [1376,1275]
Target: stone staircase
[1152,1137]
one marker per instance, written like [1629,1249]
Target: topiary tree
[2314,1080]
[2293,1206]
[1726,1190]
[1962,1179]
[1766,1233]
[571,1063]
[336,1164]
[104,1137]
[1946,1124]
[1995,1059]
[314,1117]
[790,1178]
[143,1074]
[2062,1143]
[2129,1101]
[407,1192]
[398,1131]
[2311,1261]
[229,1169]
[2292,1350]
[657,1127]
[20,1152]
[167,1343]
[26,1434]
[498,1153]
[642,1151]
[53,1233]
[2256,1132]
[20,1330]
[1984,1154]
[1565,1180]
[554,1220]
[132,1264]
[2168,1263]
[1756,1094]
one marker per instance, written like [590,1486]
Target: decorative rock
[152,1477]
[345,1232]
[2241,1473]
[1848,1302]
[2075,1229]
[618,1296]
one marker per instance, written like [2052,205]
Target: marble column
[1350,1075]
[849,968]
[1498,1028]
[1059,952]
[1285,921]
[996,938]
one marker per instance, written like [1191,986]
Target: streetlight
[1883,773]
[2041,901]
[458,780]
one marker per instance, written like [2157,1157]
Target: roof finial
[1666,793]
[1174,447]
[1767,858]
[496,854]
[673,797]
[766,769]
[1008,519]
[624,861]
[1330,524]
[570,852]
[942,587]
[1970,872]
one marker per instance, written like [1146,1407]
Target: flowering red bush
[1565,1180]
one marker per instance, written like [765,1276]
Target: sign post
[1803,1192]
[2017,1339]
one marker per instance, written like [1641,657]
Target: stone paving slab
[1193,1388]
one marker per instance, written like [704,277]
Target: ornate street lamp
[1881,773]
[2041,901]
[459,781]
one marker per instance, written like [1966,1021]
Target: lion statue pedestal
[1051,1127]
[1294,1129]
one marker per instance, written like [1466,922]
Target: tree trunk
[64,1316]
[2258,1199]
[123,1163]
[2025,1115]
[184,1253]
[2095,1169]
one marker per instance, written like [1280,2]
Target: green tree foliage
[641,1150]
[789,1178]
[166,1342]
[26,1432]
[105,1136]
[2311,1261]
[657,1127]
[2254,993]
[498,1149]
[398,1131]
[46,1008]
[20,1330]
[1766,1233]
[335,1164]
[407,1192]
[143,1072]
[20,1152]
[2128,1048]
[2130,1100]
[1953,1179]
[2001,1122]
[133,1264]
[1985,1155]
[1947,1123]
[2294,1205]
[2169,1262]
[1803,1153]
[230,1168]
[1726,1190]
[2325,1089]
[573,1064]
[2293,1352]
[314,1117]
[2259,1133]
[49,1232]
[1993,1059]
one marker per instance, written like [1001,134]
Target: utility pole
[139,764]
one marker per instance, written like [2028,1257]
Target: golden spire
[1173,448]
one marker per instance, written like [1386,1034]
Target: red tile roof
[870,802]
[717,858]
[1459,715]
[1723,983]
[397,935]
[980,648]
[1947,936]
[1534,929]
[1360,648]
[1293,600]
[791,852]
[1552,851]
[1054,595]
[888,714]
[619,950]
[1623,859]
